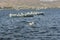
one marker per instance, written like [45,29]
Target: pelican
[31,23]
[10,15]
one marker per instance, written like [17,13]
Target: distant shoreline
[8,8]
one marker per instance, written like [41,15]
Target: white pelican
[31,23]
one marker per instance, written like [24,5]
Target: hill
[32,4]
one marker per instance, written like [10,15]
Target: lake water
[45,27]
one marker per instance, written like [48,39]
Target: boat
[28,14]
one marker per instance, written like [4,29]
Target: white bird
[10,15]
[31,23]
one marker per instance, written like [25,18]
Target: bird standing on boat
[26,14]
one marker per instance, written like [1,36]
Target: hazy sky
[31,0]
[48,0]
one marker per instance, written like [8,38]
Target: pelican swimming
[31,23]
